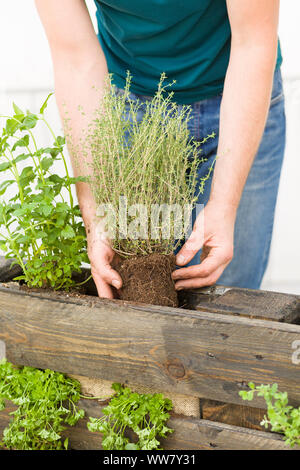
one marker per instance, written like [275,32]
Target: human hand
[213,232]
[101,256]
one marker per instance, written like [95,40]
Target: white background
[26,78]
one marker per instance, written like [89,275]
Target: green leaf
[17,110]
[60,141]
[26,171]
[56,179]
[29,122]
[37,263]
[40,234]
[11,126]
[5,165]
[26,176]
[131,446]
[24,142]
[24,239]
[62,207]
[46,163]
[77,179]
[5,185]
[46,209]
[22,157]
[44,105]
[67,232]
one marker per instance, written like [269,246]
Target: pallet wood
[189,434]
[237,415]
[182,351]
[249,303]
[7,271]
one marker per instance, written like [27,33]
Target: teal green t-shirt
[189,40]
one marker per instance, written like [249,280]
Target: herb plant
[41,227]
[145,414]
[46,402]
[281,417]
[149,162]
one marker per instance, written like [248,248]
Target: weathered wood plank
[190,352]
[244,302]
[218,299]
[189,434]
[228,413]
[8,272]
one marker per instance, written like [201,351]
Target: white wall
[26,78]
[283,272]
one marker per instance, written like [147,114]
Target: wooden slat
[250,303]
[228,413]
[8,272]
[189,434]
[190,352]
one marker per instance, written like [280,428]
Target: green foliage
[281,417]
[39,223]
[150,161]
[46,403]
[145,414]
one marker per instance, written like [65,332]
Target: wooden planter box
[209,350]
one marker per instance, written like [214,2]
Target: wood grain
[237,415]
[7,271]
[181,351]
[189,434]
[249,303]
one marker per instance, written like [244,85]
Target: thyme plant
[41,226]
[150,163]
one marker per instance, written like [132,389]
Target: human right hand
[101,255]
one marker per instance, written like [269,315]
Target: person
[225,57]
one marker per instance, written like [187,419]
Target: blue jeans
[255,216]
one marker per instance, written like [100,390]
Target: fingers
[103,288]
[101,257]
[104,277]
[190,248]
[193,244]
[110,276]
[206,273]
[194,283]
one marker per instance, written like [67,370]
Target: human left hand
[213,232]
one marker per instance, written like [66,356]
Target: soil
[147,279]
[46,290]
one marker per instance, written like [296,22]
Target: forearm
[243,114]
[80,71]
[79,85]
